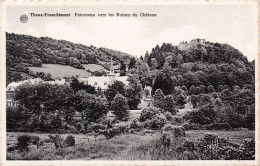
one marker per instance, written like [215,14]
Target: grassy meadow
[144,145]
[94,67]
[59,71]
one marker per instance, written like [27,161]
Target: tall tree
[76,86]
[192,90]
[132,63]
[181,99]
[93,107]
[96,110]
[141,58]
[43,97]
[146,57]
[170,105]
[120,107]
[154,64]
[158,99]
[143,71]
[114,89]
[133,92]
[164,82]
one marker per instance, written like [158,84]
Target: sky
[232,24]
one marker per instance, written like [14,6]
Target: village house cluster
[99,82]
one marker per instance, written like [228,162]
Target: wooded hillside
[23,51]
[208,63]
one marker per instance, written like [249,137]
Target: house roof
[13,85]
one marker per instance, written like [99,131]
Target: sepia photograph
[132,82]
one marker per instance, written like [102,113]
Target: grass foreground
[138,146]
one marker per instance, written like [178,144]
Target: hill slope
[201,62]
[23,51]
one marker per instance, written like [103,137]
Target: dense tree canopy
[43,97]
[43,104]
[203,64]
[23,51]
[215,78]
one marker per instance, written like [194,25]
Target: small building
[201,41]
[10,102]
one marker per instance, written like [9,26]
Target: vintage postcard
[129,83]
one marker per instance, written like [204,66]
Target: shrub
[204,115]
[165,140]
[189,146]
[23,142]
[66,126]
[123,127]
[179,132]
[213,147]
[228,153]
[207,146]
[148,114]
[11,148]
[135,125]
[186,146]
[35,140]
[57,140]
[69,141]
[155,123]
[96,127]
[168,127]
[79,126]
[110,133]
[247,149]
[72,129]
[56,122]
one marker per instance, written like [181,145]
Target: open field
[58,71]
[138,146]
[94,67]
